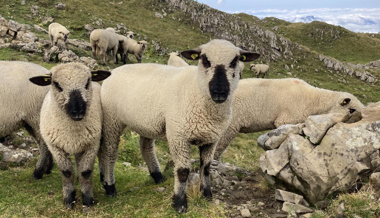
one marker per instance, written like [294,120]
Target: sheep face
[218,67]
[347,103]
[71,87]
[64,35]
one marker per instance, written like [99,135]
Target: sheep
[130,34]
[20,107]
[176,61]
[264,104]
[71,121]
[123,48]
[102,41]
[260,69]
[136,48]
[57,31]
[186,106]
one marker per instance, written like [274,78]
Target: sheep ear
[346,101]
[100,75]
[193,54]
[44,80]
[247,56]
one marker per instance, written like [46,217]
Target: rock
[49,52]
[67,56]
[60,6]
[5,45]
[29,37]
[34,10]
[47,20]
[375,180]
[134,189]
[274,138]
[31,47]
[193,179]
[88,27]
[158,15]
[160,189]
[340,210]
[79,44]
[289,207]
[307,215]
[23,2]
[245,213]
[290,197]
[225,168]
[89,62]
[40,29]
[14,26]
[127,164]
[346,153]
[289,73]
[18,156]
[317,125]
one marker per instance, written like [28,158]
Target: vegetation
[22,196]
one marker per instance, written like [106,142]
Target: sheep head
[346,103]
[71,87]
[218,67]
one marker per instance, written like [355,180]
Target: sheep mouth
[219,98]
[77,118]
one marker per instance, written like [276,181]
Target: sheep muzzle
[219,86]
[76,107]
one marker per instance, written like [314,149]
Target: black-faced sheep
[186,106]
[176,61]
[21,103]
[57,31]
[102,41]
[136,48]
[264,104]
[260,69]
[71,121]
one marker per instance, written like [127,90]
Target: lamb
[263,104]
[260,69]
[20,107]
[186,106]
[71,121]
[176,61]
[136,48]
[57,31]
[102,41]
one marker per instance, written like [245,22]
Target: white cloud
[220,1]
[354,19]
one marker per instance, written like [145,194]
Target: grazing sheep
[176,61]
[186,106]
[260,69]
[102,41]
[71,121]
[136,48]
[263,104]
[57,31]
[20,106]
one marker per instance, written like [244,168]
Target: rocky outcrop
[326,156]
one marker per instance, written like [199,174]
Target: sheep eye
[58,86]
[88,84]
[234,62]
[205,62]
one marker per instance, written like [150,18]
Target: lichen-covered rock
[89,62]
[67,56]
[273,139]
[346,153]
[17,156]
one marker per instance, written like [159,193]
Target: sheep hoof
[180,203]
[37,174]
[207,194]
[110,190]
[70,200]
[87,200]
[158,178]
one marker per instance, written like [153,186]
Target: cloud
[354,19]
[220,1]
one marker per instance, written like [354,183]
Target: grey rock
[273,161]
[67,56]
[316,126]
[17,156]
[49,52]
[31,47]
[245,213]
[79,44]
[89,62]
[299,209]
[60,6]
[160,189]
[47,20]
[40,29]
[290,197]
[274,138]
[374,179]
[158,15]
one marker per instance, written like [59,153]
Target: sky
[355,15]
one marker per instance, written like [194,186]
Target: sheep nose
[76,108]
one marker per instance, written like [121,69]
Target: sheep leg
[263,75]
[149,155]
[85,167]
[52,40]
[180,153]
[67,173]
[108,153]
[138,57]
[115,54]
[257,75]
[206,153]
[224,142]
[102,55]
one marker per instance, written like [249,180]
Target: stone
[60,6]
[80,44]
[289,207]
[273,161]
[160,189]
[290,197]
[89,62]
[374,179]
[317,125]
[245,213]
[127,164]
[40,29]
[18,156]
[67,56]
[49,52]
[158,15]
[134,189]
[47,20]
[274,138]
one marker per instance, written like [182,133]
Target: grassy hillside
[23,196]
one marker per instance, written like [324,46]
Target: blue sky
[358,15]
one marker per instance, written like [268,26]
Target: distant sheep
[186,105]
[136,48]
[123,48]
[265,104]
[71,121]
[176,61]
[260,69]
[102,41]
[21,103]
[57,31]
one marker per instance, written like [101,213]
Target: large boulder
[328,157]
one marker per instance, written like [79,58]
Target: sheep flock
[204,105]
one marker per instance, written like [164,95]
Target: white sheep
[186,105]
[130,34]
[176,61]
[102,41]
[264,104]
[20,106]
[57,31]
[136,48]
[260,69]
[71,121]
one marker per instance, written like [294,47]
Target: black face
[219,86]
[76,108]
